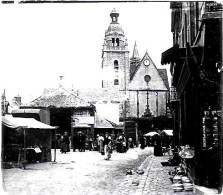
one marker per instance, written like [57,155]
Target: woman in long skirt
[107,146]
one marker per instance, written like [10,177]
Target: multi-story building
[196,68]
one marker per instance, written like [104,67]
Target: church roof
[59,98]
[137,67]
[162,72]
[114,11]
[163,75]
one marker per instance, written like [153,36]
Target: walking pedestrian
[107,146]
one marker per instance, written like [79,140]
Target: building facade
[148,89]
[196,69]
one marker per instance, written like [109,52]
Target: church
[143,89]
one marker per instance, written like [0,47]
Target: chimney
[61,81]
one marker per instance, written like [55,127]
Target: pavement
[155,180]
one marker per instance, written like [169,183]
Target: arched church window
[116,82]
[116,64]
[113,19]
[117,41]
[113,41]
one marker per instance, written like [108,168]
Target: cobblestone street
[155,180]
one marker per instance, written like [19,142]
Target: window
[116,64]
[113,41]
[116,82]
[117,41]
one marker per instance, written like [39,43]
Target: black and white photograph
[111,97]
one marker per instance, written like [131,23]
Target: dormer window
[116,64]
[116,82]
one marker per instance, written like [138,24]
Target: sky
[40,42]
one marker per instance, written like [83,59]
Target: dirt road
[76,173]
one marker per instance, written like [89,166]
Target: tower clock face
[146,62]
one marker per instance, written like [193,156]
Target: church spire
[135,52]
[134,60]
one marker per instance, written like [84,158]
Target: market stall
[25,139]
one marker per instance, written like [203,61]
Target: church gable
[146,76]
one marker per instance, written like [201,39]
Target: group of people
[119,143]
[78,142]
[104,143]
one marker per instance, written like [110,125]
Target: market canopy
[152,133]
[167,132]
[29,123]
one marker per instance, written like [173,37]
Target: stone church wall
[157,107]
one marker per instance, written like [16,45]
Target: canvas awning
[173,54]
[152,133]
[28,123]
[81,126]
[167,132]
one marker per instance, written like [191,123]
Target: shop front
[197,100]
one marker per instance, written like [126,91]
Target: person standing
[157,146]
[118,142]
[142,142]
[130,142]
[101,143]
[82,140]
[67,141]
[63,145]
[107,146]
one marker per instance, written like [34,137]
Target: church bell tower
[115,56]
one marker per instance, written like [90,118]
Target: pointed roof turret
[134,60]
[135,52]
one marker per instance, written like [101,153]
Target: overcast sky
[40,42]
